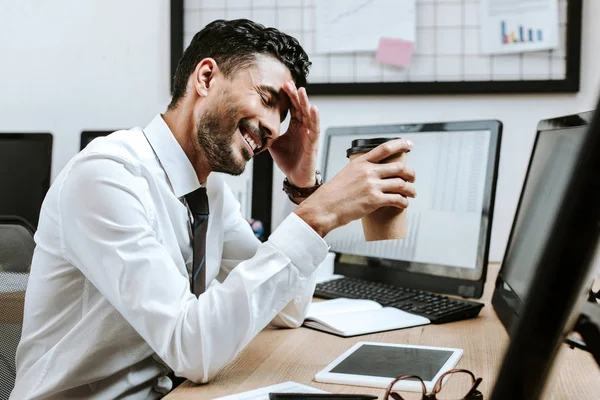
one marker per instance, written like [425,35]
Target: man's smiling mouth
[252,139]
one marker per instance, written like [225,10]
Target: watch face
[319,177]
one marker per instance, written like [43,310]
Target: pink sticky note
[394,51]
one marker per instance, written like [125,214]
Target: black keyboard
[438,309]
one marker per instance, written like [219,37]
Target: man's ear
[204,75]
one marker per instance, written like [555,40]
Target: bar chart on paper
[520,35]
[519,26]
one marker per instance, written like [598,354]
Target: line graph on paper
[353,11]
[337,22]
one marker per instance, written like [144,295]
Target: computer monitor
[25,162]
[562,267]
[553,158]
[88,136]
[450,220]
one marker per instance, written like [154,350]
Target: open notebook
[351,317]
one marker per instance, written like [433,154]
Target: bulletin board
[446,58]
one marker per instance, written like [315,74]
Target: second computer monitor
[25,160]
[560,226]
[449,222]
[553,158]
[88,136]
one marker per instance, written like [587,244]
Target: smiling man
[131,286]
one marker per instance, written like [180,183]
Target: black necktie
[198,203]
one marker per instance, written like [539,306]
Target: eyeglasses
[471,394]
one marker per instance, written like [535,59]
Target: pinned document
[518,26]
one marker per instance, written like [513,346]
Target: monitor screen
[448,222]
[553,276]
[88,136]
[551,164]
[25,161]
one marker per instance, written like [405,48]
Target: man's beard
[216,136]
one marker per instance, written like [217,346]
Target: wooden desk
[279,355]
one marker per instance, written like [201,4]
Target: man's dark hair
[234,45]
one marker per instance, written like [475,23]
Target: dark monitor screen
[558,141]
[560,225]
[448,223]
[25,162]
[88,136]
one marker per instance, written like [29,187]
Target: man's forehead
[269,71]
[268,76]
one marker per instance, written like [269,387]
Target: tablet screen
[390,362]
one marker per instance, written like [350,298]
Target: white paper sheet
[365,321]
[515,26]
[263,393]
[337,306]
[345,26]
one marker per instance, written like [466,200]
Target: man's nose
[271,126]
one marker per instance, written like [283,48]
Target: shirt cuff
[300,243]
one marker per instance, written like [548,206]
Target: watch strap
[296,192]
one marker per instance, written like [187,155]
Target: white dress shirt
[108,308]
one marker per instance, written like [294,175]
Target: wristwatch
[296,192]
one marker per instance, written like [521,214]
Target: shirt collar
[171,156]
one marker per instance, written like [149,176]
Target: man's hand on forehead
[295,152]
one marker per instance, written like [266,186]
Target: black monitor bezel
[88,136]
[410,276]
[505,301]
[562,278]
[47,139]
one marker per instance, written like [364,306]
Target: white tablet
[378,364]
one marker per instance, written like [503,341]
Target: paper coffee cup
[385,223]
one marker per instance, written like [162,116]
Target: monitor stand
[588,326]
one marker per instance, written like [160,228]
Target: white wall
[71,65]
[68,66]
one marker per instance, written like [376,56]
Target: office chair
[16,252]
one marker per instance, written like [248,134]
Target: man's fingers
[315,120]
[295,106]
[304,104]
[399,186]
[292,93]
[387,149]
[394,200]
[396,169]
